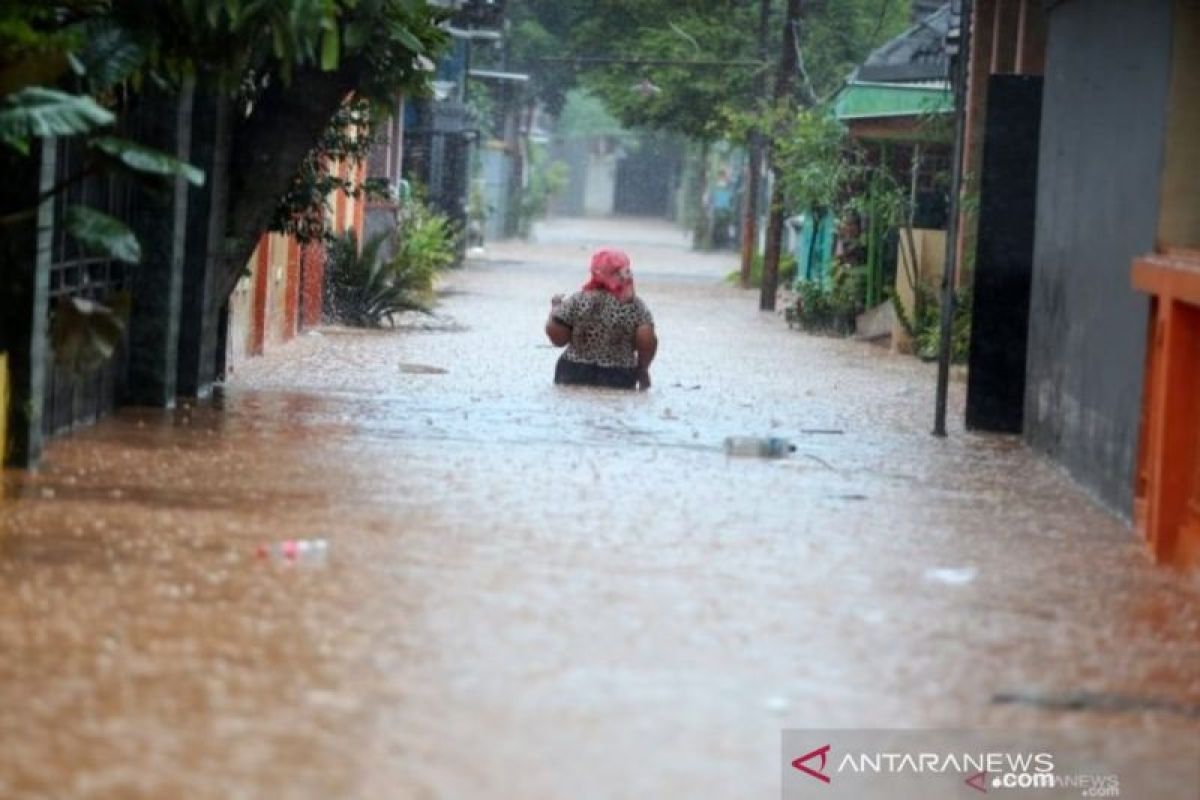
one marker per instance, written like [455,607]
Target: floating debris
[421,369]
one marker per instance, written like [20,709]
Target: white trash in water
[952,576]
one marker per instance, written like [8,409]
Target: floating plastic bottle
[758,447]
[294,550]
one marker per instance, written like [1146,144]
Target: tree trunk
[24,296]
[909,221]
[753,183]
[268,148]
[753,187]
[702,229]
[516,164]
[783,91]
[521,165]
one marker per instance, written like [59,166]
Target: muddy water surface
[534,592]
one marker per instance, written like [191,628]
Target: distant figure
[606,328]
[721,200]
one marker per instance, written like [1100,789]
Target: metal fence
[72,398]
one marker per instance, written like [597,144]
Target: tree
[788,61]
[685,63]
[655,63]
[288,65]
[280,70]
[836,34]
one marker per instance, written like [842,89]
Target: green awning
[875,100]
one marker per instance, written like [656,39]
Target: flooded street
[540,592]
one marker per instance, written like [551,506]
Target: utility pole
[960,77]
[753,183]
[783,91]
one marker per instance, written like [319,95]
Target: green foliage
[236,38]
[304,212]
[787,271]
[546,178]
[584,115]
[36,112]
[832,309]
[540,29]
[109,55]
[145,160]
[835,36]
[107,49]
[814,159]
[426,246]
[100,234]
[361,290]
[365,290]
[928,336]
[681,97]
[838,35]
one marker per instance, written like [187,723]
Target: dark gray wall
[1103,122]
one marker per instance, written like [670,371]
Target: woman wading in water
[606,328]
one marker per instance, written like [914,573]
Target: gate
[73,399]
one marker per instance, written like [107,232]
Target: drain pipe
[959,78]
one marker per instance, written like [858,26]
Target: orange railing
[1167,490]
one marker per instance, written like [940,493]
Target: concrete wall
[591,177]
[600,184]
[1103,123]
[931,259]
[497,173]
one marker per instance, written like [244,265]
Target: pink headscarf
[610,273]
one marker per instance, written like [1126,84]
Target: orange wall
[261,271]
[283,294]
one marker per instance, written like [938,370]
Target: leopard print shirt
[602,328]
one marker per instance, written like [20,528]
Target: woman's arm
[645,342]
[558,333]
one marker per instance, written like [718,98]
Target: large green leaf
[37,112]
[147,160]
[101,234]
[109,54]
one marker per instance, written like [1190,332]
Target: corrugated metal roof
[918,54]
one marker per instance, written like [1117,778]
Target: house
[1096,268]
[898,107]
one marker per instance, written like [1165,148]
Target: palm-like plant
[364,290]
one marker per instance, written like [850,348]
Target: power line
[649,62]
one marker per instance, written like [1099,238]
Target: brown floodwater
[535,592]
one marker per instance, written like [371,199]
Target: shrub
[833,309]
[546,179]
[365,290]
[787,271]
[928,336]
[361,288]
[426,244]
